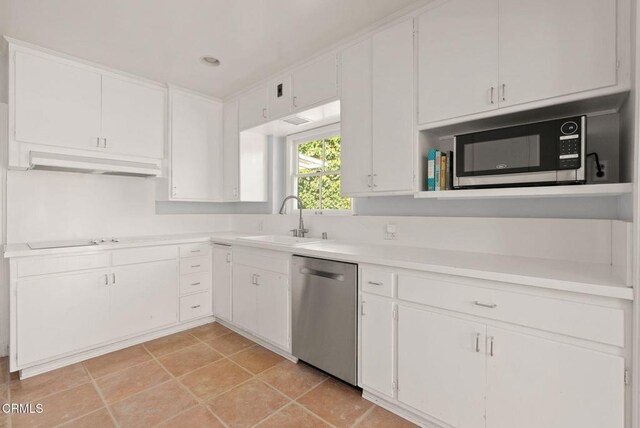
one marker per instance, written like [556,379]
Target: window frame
[292,142]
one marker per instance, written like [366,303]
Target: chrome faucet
[300,231]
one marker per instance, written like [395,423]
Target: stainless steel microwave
[550,152]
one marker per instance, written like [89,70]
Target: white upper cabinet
[231,152]
[587,388]
[254,167]
[253,108]
[355,117]
[550,48]
[56,103]
[133,117]
[392,112]
[280,99]
[315,82]
[196,147]
[475,57]
[377,113]
[458,59]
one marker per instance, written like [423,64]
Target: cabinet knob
[504,92]
[492,90]
[295,101]
[195,307]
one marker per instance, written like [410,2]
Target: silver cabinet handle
[492,89]
[264,113]
[257,279]
[228,258]
[375,283]
[195,307]
[113,277]
[193,284]
[373,180]
[106,279]
[491,351]
[253,279]
[295,101]
[485,305]
[97,141]
[104,143]
[369,180]
[504,88]
[362,308]
[477,342]
[195,251]
[195,266]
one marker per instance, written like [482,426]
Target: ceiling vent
[296,120]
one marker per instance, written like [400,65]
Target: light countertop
[590,278]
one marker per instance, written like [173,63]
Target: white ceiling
[164,39]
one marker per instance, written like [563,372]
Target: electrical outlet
[390,232]
[604,166]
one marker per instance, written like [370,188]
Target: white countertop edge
[613,290]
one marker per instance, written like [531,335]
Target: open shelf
[585,190]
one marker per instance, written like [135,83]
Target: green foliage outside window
[318,175]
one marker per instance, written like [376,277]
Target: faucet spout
[300,231]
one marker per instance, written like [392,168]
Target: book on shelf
[439,170]
[431,170]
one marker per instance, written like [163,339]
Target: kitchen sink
[280,239]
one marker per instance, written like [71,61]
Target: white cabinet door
[133,117]
[253,108]
[550,48]
[254,168]
[56,103]
[458,59]
[280,102]
[376,319]
[222,278]
[315,82]
[534,382]
[273,308]
[244,297]
[355,124]
[231,153]
[62,314]
[393,99]
[143,297]
[196,147]
[442,367]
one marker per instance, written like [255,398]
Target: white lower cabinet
[143,297]
[485,355]
[50,308]
[222,277]
[534,382]
[441,366]
[64,305]
[376,342]
[261,297]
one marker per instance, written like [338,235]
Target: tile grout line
[101,395]
[363,416]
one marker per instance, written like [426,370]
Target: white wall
[560,239]
[44,205]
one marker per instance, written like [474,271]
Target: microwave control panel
[569,146]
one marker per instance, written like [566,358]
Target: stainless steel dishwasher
[324,315]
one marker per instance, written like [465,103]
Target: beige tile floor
[205,377]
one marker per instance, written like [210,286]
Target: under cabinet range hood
[91,165]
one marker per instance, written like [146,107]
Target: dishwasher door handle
[322,273]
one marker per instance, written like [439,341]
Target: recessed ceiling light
[209,60]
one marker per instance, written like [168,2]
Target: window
[315,169]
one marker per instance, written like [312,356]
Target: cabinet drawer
[199,281]
[597,323]
[272,261]
[377,281]
[195,306]
[194,250]
[143,255]
[195,264]
[51,265]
